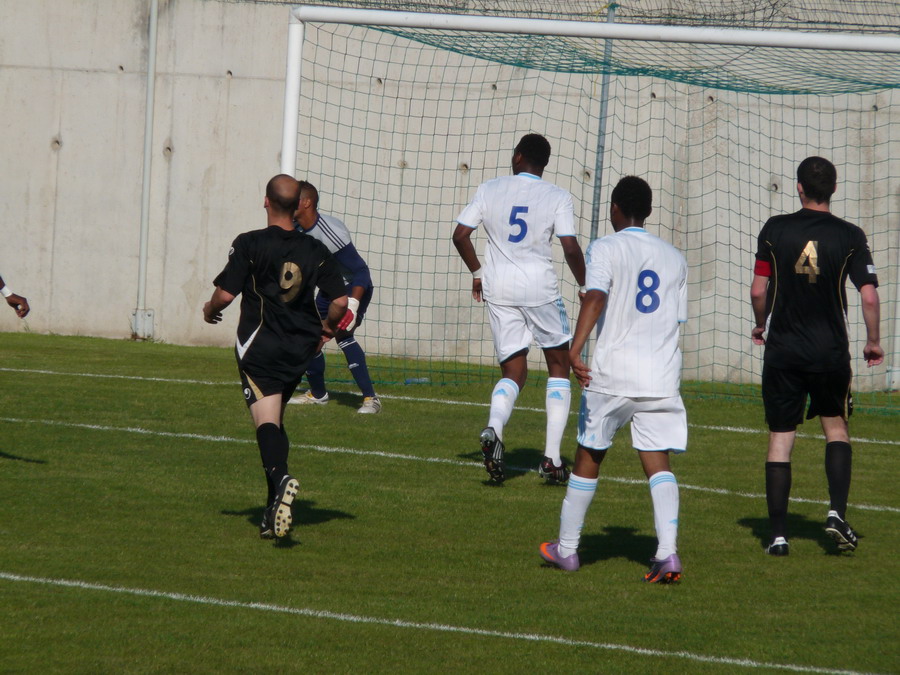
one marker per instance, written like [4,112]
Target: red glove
[349,320]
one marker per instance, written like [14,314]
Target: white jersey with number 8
[637,352]
[520,215]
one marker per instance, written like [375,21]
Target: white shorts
[656,423]
[515,328]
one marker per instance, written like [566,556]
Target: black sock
[778,492]
[838,464]
[273,451]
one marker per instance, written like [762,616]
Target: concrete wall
[73,79]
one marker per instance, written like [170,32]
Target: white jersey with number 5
[645,278]
[520,214]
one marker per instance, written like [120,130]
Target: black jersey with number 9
[276,272]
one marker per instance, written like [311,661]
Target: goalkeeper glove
[349,320]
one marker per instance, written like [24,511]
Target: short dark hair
[283,193]
[535,148]
[818,178]
[634,197]
[307,189]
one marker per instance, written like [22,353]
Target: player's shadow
[616,542]
[798,527]
[305,514]
[16,458]
[518,462]
[347,400]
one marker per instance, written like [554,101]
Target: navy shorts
[785,394]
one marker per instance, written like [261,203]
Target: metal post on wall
[142,318]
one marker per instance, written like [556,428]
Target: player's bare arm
[462,239]
[336,311]
[873,353]
[212,310]
[591,309]
[758,300]
[17,302]
[574,259]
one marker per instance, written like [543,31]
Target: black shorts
[785,392]
[257,386]
[268,371]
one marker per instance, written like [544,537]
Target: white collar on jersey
[525,174]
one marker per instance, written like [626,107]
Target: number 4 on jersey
[808,262]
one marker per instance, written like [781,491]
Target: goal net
[398,126]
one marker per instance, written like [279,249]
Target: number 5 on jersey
[515,221]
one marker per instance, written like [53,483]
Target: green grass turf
[390,549]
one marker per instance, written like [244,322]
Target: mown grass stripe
[411,458]
[411,399]
[415,625]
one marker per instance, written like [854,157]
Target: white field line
[413,399]
[410,458]
[415,625]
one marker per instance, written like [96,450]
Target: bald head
[283,193]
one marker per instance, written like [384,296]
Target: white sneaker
[370,406]
[309,399]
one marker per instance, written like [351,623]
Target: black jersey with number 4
[808,256]
[276,272]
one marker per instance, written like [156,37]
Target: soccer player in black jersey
[803,260]
[276,270]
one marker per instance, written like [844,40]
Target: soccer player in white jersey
[520,215]
[636,297]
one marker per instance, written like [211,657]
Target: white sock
[557,401]
[579,495]
[503,399]
[664,493]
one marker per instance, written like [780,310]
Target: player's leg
[599,417]
[273,450]
[557,402]
[315,375]
[359,369]
[830,399]
[356,358]
[503,400]
[511,341]
[549,324]
[784,396]
[315,371]
[659,427]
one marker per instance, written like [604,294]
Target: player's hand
[19,304]
[757,335]
[476,290]
[873,354]
[348,322]
[582,372]
[210,316]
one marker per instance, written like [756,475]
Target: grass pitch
[131,492]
